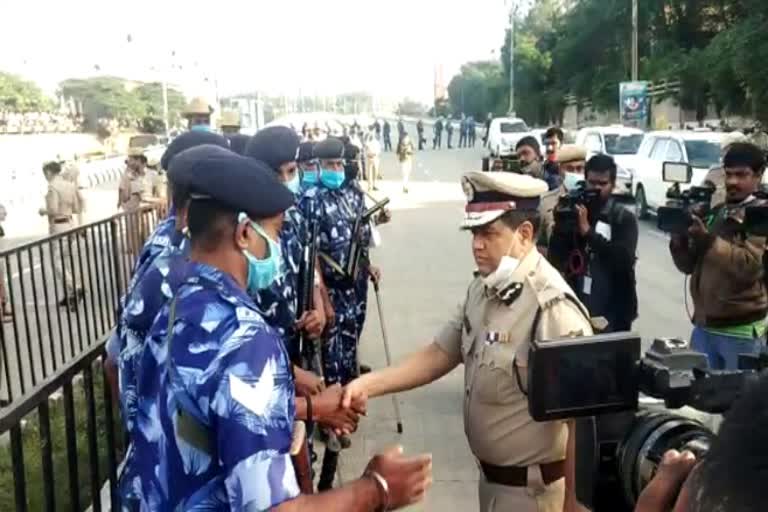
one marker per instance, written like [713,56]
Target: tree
[410,107]
[478,89]
[151,96]
[105,97]
[19,95]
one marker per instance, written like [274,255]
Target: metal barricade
[63,291]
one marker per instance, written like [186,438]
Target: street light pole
[635,49]
[512,12]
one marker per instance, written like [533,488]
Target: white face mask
[572,180]
[506,267]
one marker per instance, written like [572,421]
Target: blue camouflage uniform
[225,372]
[278,303]
[336,211]
[214,406]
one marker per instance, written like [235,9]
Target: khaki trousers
[537,497]
[62,259]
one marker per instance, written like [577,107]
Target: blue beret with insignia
[329,149]
[237,182]
[238,142]
[306,150]
[274,145]
[189,140]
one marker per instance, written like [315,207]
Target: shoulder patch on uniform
[511,293]
[546,293]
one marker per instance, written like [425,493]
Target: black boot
[328,470]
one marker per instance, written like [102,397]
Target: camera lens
[651,435]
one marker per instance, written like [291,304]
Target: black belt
[517,476]
[62,220]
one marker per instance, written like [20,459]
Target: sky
[388,48]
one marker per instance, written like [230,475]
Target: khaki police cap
[230,118]
[198,106]
[492,194]
[135,152]
[571,153]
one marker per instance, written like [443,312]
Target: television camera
[677,215]
[620,442]
[566,217]
[503,163]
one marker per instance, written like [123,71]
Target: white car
[621,142]
[699,149]
[504,134]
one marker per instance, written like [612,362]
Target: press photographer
[726,266]
[593,245]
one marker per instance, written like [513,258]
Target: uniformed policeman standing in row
[63,202]
[216,392]
[516,297]
[198,114]
[229,122]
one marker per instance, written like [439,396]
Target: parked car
[504,134]
[699,149]
[618,141]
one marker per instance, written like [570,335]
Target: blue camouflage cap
[329,149]
[241,183]
[189,140]
[238,142]
[274,145]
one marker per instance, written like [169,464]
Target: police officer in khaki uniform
[198,114]
[62,204]
[230,122]
[525,466]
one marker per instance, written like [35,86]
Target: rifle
[356,247]
[306,283]
[302,465]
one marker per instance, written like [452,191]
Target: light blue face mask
[310,178]
[572,180]
[262,273]
[200,128]
[294,185]
[332,179]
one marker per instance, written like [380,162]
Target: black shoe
[63,302]
[364,368]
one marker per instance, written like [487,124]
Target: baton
[386,352]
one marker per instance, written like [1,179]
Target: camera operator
[715,178]
[732,476]
[597,255]
[529,153]
[726,266]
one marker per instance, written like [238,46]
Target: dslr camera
[503,163]
[677,215]
[566,217]
[756,216]
[621,439]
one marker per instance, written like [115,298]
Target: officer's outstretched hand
[312,322]
[662,492]
[328,411]
[375,273]
[408,478]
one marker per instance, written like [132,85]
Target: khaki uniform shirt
[62,200]
[132,190]
[488,334]
[547,215]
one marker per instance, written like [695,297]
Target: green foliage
[716,49]
[19,95]
[32,456]
[478,89]
[410,107]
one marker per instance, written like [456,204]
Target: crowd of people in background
[39,122]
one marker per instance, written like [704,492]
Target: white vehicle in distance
[620,142]
[504,134]
[699,149]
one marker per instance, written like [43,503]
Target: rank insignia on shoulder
[492,338]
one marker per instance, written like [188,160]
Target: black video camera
[620,442]
[677,215]
[756,217]
[566,217]
[505,163]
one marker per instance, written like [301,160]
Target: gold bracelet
[382,485]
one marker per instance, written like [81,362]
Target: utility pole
[635,49]
[512,12]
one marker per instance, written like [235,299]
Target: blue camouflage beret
[274,146]
[329,149]
[306,150]
[238,142]
[241,183]
[189,140]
